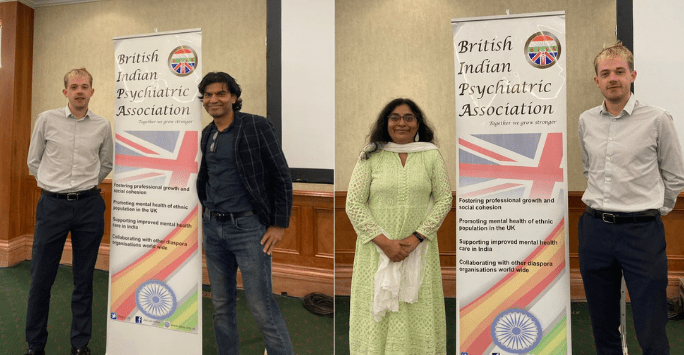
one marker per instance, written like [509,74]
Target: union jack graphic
[183,61]
[156,157]
[542,49]
[524,165]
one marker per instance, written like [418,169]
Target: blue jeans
[227,246]
[55,218]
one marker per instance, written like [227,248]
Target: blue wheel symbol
[155,299]
[516,331]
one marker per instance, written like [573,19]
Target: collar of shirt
[629,107]
[68,114]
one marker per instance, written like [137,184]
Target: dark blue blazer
[262,168]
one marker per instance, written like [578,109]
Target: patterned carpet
[310,334]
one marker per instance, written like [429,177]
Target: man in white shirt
[633,164]
[70,154]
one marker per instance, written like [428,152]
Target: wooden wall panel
[674,227]
[324,236]
[290,244]
[7,119]
[345,240]
[345,246]
[302,261]
[15,119]
[575,209]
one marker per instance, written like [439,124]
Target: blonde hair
[77,72]
[615,51]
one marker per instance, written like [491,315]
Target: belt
[72,196]
[223,217]
[623,217]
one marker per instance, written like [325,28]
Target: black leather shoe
[35,352]
[80,351]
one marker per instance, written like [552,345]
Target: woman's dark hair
[221,77]
[380,134]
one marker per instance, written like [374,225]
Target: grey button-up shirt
[632,162]
[69,154]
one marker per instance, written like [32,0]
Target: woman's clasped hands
[396,249]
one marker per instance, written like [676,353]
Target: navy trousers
[637,249]
[55,218]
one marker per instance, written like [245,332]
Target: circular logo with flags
[155,299]
[182,61]
[542,50]
[516,331]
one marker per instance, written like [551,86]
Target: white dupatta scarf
[399,281]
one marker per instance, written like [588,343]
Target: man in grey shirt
[70,154]
[633,164]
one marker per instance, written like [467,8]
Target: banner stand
[155,265]
[512,210]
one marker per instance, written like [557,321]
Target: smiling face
[78,91]
[400,131]
[614,79]
[218,100]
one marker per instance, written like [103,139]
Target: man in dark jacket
[245,186]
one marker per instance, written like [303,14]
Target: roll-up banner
[513,282]
[155,265]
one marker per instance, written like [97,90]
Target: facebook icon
[138,319]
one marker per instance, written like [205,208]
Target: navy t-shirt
[225,190]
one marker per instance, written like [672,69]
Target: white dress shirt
[69,154]
[633,161]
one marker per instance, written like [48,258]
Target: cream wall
[383,49]
[404,48]
[80,35]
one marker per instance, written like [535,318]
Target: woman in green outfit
[398,196]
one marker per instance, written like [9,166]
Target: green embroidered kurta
[384,194]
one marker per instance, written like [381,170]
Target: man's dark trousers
[55,218]
[637,249]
